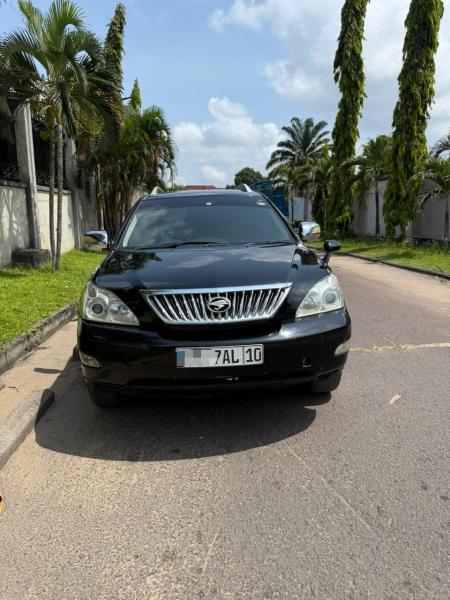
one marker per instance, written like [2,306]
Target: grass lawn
[430,258]
[29,295]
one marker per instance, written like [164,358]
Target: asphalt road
[266,496]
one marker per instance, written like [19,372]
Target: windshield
[208,220]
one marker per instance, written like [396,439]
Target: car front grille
[217,306]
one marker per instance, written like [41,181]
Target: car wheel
[327,384]
[103,396]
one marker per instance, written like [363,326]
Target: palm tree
[159,145]
[291,181]
[312,179]
[436,171]
[373,166]
[54,64]
[315,179]
[144,153]
[141,159]
[304,143]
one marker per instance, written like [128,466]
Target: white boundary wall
[24,210]
[68,237]
[428,226]
[14,227]
[14,231]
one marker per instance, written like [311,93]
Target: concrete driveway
[267,496]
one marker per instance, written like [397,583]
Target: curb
[21,421]
[391,264]
[26,342]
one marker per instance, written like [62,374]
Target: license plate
[220,356]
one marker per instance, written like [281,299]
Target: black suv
[211,291]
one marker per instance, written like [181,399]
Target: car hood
[209,267]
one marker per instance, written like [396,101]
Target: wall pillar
[27,169]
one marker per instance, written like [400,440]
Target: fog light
[342,348]
[89,361]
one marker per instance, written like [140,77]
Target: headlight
[325,296]
[103,306]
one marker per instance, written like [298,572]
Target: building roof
[200,187]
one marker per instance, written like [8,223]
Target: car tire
[327,384]
[103,396]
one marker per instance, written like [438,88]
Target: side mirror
[329,247]
[309,231]
[97,238]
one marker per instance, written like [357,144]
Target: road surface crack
[339,496]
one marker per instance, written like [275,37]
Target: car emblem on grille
[219,305]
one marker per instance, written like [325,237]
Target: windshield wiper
[270,243]
[177,245]
[198,243]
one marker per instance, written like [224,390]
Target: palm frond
[61,15]
[441,146]
[303,144]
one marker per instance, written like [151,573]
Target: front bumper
[137,361]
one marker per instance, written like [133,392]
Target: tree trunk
[128,195]
[446,222]
[100,219]
[59,173]
[377,210]
[108,210]
[99,198]
[51,194]
[117,215]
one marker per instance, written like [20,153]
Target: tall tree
[53,63]
[247,175]
[304,143]
[113,49]
[373,166]
[349,75]
[98,154]
[135,97]
[416,93]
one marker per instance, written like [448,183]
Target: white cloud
[288,79]
[179,180]
[213,175]
[213,151]
[240,13]
[190,133]
[223,109]
[308,31]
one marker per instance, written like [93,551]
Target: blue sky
[230,73]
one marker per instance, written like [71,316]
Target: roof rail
[244,188]
[156,190]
